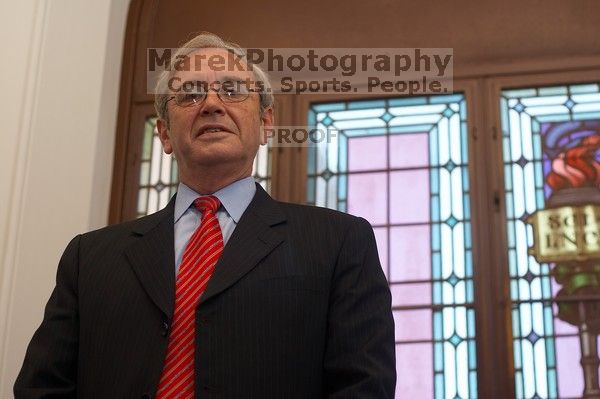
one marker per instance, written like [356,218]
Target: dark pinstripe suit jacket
[298,307]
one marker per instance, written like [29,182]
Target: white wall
[59,76]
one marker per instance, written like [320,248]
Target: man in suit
[225,293]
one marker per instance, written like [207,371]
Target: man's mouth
[212,129]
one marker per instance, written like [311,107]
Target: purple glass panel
[414,365]
[382,247]
[367,153]
[555,286]
[570,377]
[413,324]
[410,253]
[411,294]
[561,327]
[409,196]
[409,150]
[367,196]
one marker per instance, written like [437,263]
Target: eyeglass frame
[220,91]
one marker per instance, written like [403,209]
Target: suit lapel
[152,257]
[252,240]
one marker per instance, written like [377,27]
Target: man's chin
[216,158]
[218,135]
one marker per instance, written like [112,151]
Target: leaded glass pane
[159,177]
[551,137]
[402,164]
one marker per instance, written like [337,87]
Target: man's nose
[212,104]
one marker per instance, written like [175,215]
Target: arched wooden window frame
[482,83]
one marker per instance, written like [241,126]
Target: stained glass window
[159,177]
[550,139]
[402,164]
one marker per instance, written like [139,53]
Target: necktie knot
[209,203]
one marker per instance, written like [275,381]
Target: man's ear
[163,134]
[268,121]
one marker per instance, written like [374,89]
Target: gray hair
[207,40]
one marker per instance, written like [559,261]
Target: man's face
[213,132]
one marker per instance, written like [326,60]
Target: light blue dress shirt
[234,198]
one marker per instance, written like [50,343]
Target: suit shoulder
[307,214]
[142,225]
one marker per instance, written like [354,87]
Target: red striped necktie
[197,265]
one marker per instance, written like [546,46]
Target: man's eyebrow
[219,79]
[187,82]
[231,77]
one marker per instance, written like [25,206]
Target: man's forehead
[214,61]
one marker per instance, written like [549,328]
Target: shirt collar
[235,198]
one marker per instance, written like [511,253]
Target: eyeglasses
[228,92]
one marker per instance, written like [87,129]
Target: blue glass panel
[539,200]
[310,163]
[509,205]
[435,237]
[546,290]
[517,354]
[554,118]
[471,334]
[506,150]
[539,175]
[581,116]
[439,386]
[366,132]
[587,88]
[468,236]
[472,359]
[552,381]
[463,140]
[407,101]
[438,334]
[310,190]
[469,296]
[552,91]
[510,231]
[467,206]
[342,153]
[329,107]
[452,98]
[473,383]
[366,104]
[508,177]
[433,147]
[512,262]
[465,180]
[520,93]
[342,187]
[434,181]
[519,384]
[437,298]
[435,208]
[410,129]
[356,114]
